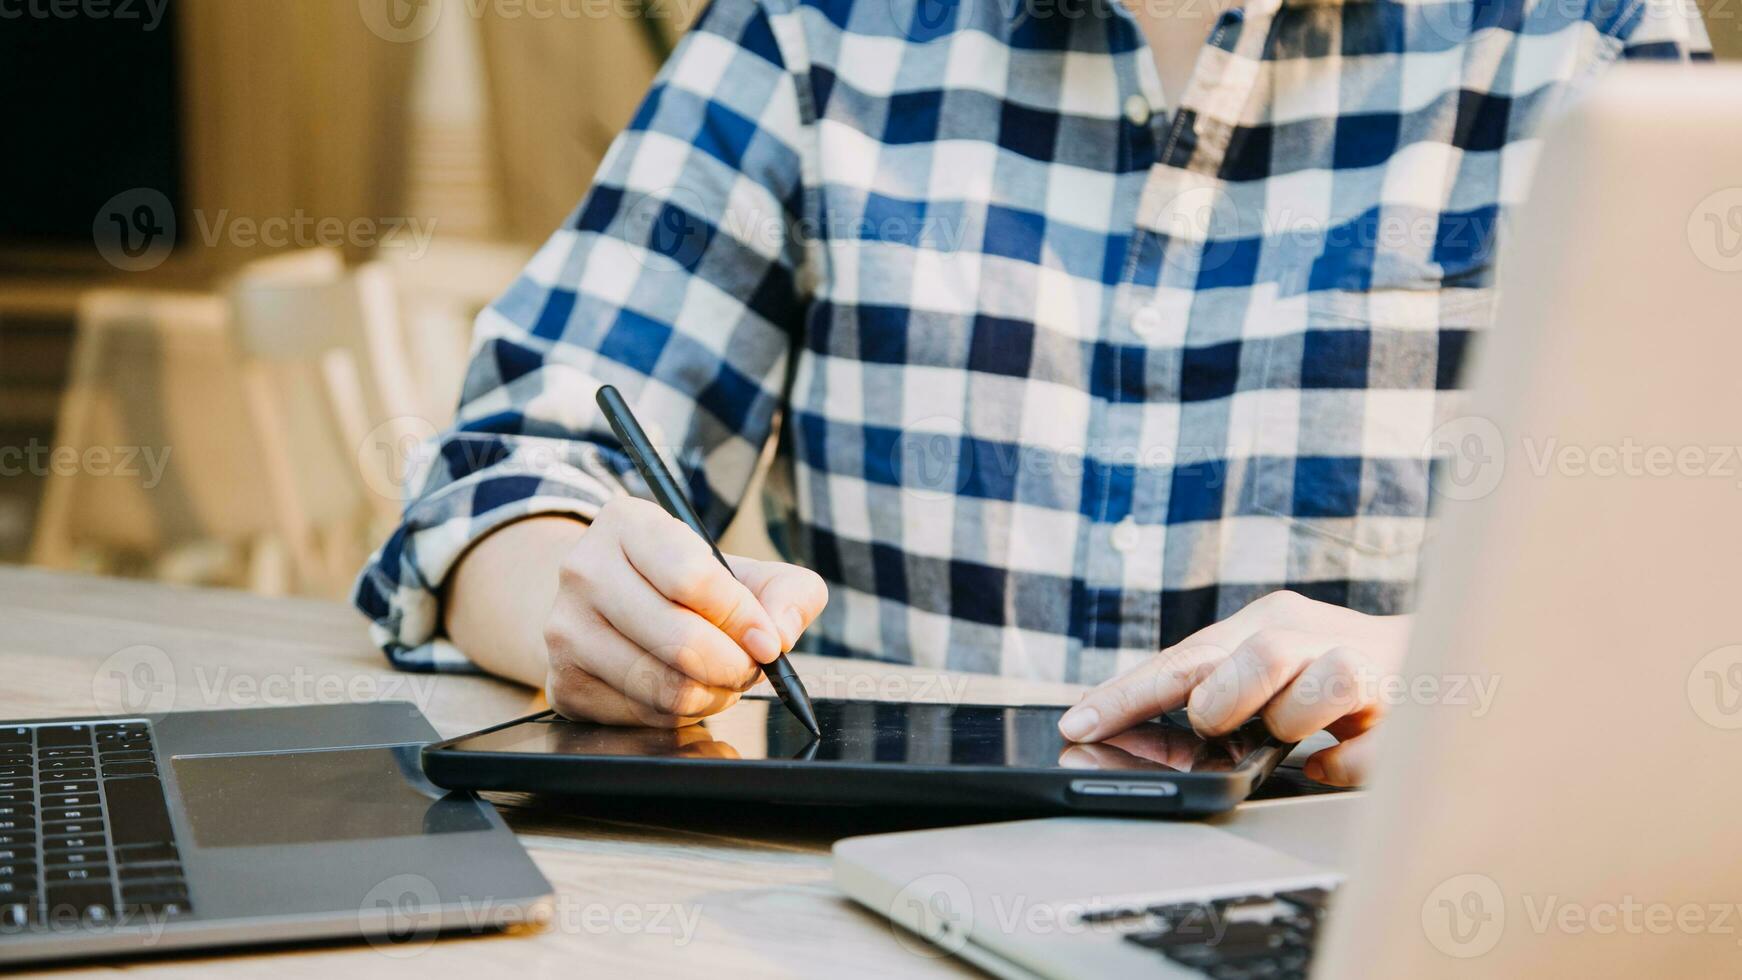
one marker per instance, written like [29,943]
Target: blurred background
[243,245]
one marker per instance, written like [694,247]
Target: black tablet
[870,752]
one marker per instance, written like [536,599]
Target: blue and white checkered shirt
[1058,376]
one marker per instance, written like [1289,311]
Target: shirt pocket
[1353,386]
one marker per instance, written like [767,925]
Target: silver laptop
[1584,824]
[131,835]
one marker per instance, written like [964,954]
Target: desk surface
[628,878]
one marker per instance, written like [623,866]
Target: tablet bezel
[834,782]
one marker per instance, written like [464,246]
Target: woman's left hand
[1300,664]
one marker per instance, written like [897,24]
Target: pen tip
[806,715]
[801,709]
[786,683]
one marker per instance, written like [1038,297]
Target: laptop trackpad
[317,796]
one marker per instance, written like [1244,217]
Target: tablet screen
[871,732]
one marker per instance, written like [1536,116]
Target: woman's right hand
[647,628]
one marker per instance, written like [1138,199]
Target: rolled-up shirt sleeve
[1663,30]
[678,279]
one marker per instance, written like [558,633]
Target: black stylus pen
[676,503]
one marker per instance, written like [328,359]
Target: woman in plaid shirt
[1100,344]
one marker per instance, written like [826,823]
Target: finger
[1347,763]
[648,681]
[1220,755]
[1168,746]
[1241,685]
[1157,686]
[793,596]
[648,741]
[696,742]
[675,634]
[1349,726]
[681,566]
[1330,688]
[579,696]
[1165,682]
[604,654]
[710,750]
[1098,756]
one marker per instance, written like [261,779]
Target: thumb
[1347,763]
[793,596]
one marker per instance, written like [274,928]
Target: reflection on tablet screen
[932,735]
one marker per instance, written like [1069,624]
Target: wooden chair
[440,293]
[167,480]
[332,405]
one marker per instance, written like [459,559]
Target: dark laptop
[122,836]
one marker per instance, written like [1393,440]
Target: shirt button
[1137,110]
[1126,536]
[1147,323]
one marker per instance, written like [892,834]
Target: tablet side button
[1093,787]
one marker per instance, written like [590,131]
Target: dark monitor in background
[89,113]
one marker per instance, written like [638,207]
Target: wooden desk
[754,883]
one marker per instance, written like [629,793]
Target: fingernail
[1077,758]
[762,645]
[792,623]
[1078,723]
[1315,770]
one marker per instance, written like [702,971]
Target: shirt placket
[1147,326]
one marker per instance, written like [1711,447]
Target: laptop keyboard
[85,836]
[1249,937]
